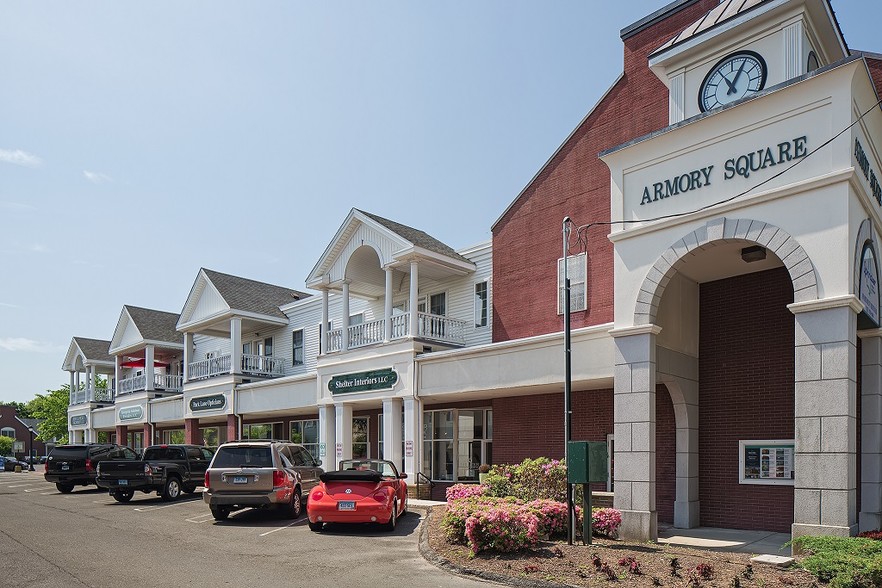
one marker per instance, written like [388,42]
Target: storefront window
[470,437]
[175,437]
[306,433]
[136,441]
[257,431]
[360,447]
[211,436]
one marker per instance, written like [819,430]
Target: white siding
[131,335]
[205,344]
[365,235]
[210,303]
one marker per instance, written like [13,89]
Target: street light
[31,450]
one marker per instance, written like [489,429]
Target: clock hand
[732,89]
[728,83]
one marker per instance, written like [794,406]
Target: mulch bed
[555,563]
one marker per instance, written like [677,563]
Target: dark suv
[77,465]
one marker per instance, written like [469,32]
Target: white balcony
[429,326]
[163,382]
[84,396]
[257,365]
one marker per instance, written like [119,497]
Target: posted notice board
[766,461]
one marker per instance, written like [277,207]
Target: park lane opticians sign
[78,420]
[213,402]
[131,413]
[363,381]
[743,165]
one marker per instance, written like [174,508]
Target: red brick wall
[7,419]
[575,183]
[665,455]
[746,392]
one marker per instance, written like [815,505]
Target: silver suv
[260,473]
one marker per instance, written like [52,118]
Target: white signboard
[869,285]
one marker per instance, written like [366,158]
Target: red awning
[141,362]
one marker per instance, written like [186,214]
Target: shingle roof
[253,296]
[155,325]
[726,10]
[95,349]
[417,237]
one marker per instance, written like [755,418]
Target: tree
[21,408]
[6,445]
[51,410]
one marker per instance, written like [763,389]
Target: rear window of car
[160,453]
[70,452]
[243,456]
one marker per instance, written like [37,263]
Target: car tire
[294,508]
[220,513]
[390,526]
[172,489]
[123,495]
[65,488]
[316,527]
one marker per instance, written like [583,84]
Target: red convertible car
[361,491]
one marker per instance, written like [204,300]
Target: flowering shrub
[552,516]
[606,521]
[458,511]
[505,527]
[460,491]
[529,480]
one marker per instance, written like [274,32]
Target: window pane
[469,459]
[443,425]
[210,436]
[438,304]
[297,336]
[310,431]
[489,424]
[470,424]
[481,304]
[268,347]
[442,462]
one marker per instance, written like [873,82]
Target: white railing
[138,383]
[168,382]
[429,326]
[262,365]
[82,396]
[207,368]
[131,384]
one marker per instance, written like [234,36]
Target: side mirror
[318,462]
[402,476]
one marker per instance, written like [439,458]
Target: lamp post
[568,410]
[31,450]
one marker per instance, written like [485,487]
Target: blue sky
[142,141]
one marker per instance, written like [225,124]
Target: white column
[387,309]
[345,344]
[825,358]
[327,436]
[870,517]
[343,420]
[150,371]
[412,300]
[634,421]
[73,389]
[413,438]
[236,343]
[392,431]
[90,383]
[117,374]
[323,343]
[188,356]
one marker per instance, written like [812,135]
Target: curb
[445,564]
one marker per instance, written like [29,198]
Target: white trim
[635,330]
[849,300]
[229,314]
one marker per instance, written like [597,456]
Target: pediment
[204,301]
[126,333]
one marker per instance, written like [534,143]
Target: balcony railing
[258,365]
[429,326]
[82,396]
[165,382]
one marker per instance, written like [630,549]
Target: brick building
[11,425]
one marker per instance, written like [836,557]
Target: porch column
[345,335]
[387,309]
[90,382]
[150,371]
[392,430]
[72,389]
[413,438]
[236,343]
[634,418]
[148,434]
[323,331]
[192,432]
[825,489]
[343,420]
[412,298]
[327,436]
[77,388]
[188,355]
[117,375]
[122,435]
[870,517]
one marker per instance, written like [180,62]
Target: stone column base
[798,530]
[687,514]
[639,525]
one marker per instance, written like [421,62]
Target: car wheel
[390,526]
[65,488]
[316,527]
[220,513]
[295,507]
[123,495]
[172,489]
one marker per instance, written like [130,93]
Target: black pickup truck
[165,469]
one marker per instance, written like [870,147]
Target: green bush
[532,479]
[844,562]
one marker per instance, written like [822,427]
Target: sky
[140,141]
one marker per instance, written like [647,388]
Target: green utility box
[586,462]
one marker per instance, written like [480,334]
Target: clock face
[733,78]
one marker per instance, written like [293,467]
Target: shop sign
[741,165]
[323,449]
[384,379]
[864,165]
[869,285]
[213,402]
[339,450]
[408,448]
[131,413]
[767,462]
[78,420]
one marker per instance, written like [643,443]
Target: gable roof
[155,325]
[94,349]
[417,237]
[251,295]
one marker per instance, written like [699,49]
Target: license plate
[64,468]
[240,479]
[346,505]
[123,482]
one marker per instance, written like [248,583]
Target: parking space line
[203,518]
[36,489]
[149,508]
[25,484]
[282,528]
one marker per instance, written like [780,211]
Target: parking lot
[86,538]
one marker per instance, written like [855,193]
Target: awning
[141,362]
